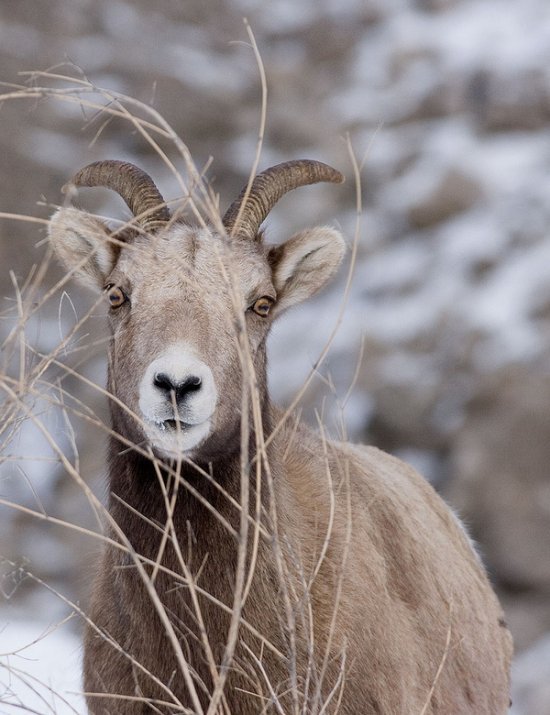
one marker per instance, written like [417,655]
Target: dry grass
[29,377]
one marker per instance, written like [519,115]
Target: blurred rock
[435,5]
[511,102]
[527,613]
[501,476]
[500,484]
[448,193]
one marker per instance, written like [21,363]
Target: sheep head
[180,296]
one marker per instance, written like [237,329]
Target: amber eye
[262,306]
[116,296]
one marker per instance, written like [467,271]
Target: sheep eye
[116,296]
[262,306]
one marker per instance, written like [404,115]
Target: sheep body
[361,590]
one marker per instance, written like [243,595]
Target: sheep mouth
[172,425]
[172,437]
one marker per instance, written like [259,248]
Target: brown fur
[387,609]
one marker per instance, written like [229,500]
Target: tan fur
[366,592]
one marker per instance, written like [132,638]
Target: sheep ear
[82,243]
[303,264]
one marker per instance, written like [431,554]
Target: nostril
[191,384]
[163,382]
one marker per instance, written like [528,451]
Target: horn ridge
[133,184]
[271,185]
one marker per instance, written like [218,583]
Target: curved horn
[133,184]
[271,185]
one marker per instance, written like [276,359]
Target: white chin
[176,442]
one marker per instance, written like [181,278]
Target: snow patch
[40,668]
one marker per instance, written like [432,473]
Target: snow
[531,680]
[40,666]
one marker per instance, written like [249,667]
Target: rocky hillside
[447,326]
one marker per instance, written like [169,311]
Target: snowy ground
[40,667]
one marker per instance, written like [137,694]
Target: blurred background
[446,334]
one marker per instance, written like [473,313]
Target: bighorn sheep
[260,568]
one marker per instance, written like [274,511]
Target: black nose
[180,389]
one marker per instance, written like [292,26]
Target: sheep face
[188,309]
